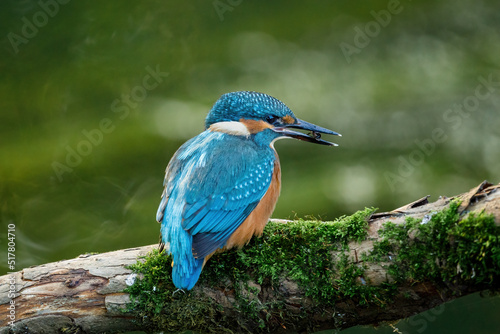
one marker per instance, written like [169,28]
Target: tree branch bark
[85,294]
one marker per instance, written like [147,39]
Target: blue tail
[186,280]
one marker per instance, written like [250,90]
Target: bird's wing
[219,179]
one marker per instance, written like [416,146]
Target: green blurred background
[86,131]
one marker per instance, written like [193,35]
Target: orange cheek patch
[288,119]
[254,126]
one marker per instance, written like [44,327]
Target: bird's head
[245,113]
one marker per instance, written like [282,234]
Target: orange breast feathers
[258,218]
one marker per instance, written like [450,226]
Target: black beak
[313,137]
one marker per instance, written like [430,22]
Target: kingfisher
[222,186]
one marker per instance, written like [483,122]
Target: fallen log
[300,276]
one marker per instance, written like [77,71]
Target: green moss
[442,249]
[299,250]
[352,285]
[302,252]
[157,304]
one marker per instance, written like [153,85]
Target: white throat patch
[231,128]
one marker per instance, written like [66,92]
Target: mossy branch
[300,276]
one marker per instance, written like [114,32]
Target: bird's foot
[173,294]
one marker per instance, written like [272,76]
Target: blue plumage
[247,105]
[213,194]
[218,178]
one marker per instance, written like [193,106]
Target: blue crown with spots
[248,105]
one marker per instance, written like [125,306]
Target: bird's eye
[272,119]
